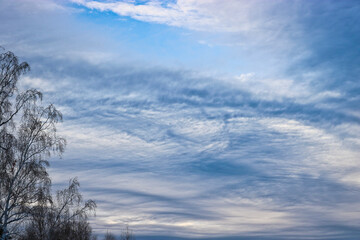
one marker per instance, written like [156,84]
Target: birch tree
[27,139]
[62,217]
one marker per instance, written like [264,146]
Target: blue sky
[202,119]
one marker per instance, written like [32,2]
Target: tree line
[28,138]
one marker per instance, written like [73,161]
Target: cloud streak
[256,152]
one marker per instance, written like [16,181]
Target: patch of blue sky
[170,46]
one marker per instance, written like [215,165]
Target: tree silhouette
[63,217]
[109,236]
[127,234]
[27,139]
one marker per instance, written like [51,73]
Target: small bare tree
[64,217]
[27,139]
[127,234]
[109,236]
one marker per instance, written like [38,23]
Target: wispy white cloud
[162,150]
[161,153]
[214,15]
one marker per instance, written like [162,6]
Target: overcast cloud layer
[267,150]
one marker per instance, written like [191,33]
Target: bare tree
[64,217]
[71,213]
[127,234]
[10,71]
[109,236]
[27,139]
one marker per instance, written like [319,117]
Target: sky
[202,119]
